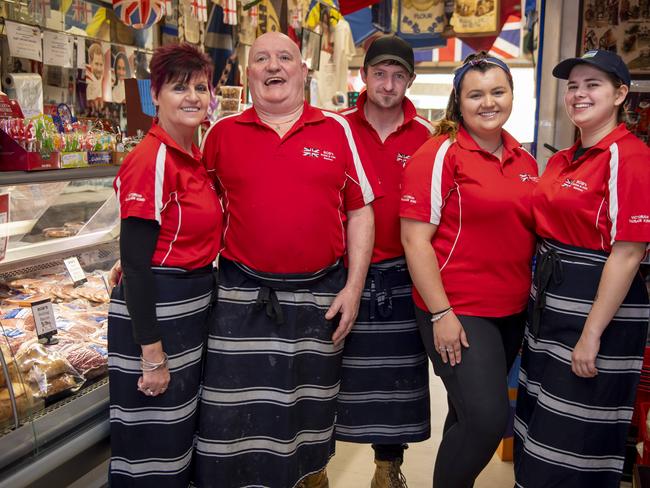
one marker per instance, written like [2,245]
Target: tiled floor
[352,467]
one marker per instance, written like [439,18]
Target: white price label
[44,318]
[75,271]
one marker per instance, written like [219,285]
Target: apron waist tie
[267,298]
[549,267]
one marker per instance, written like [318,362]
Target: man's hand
[347,304]
[115,274]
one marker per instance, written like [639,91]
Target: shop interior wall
[554,127]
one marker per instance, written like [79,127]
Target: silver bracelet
[149,366]
[438,316]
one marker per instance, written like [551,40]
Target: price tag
[44,319]
[75,271]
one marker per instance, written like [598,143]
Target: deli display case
[53,352]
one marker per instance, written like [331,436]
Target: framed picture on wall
[620,26]
[310,48]
[637,110]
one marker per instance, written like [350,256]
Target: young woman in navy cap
[584,344]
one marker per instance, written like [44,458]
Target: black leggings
[477,393]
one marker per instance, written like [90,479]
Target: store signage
[4,220]
[75,271]
[58,49]
[44,320]
[24,41]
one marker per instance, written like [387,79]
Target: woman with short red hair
[170,235]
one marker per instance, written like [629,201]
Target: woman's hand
[448,336]
[154,383]
[583,358]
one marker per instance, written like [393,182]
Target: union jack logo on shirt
[311,152]
[402,158]
[526,177]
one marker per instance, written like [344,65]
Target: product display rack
[67,426]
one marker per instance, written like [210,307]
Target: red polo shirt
[602,197]
[160,181]
[482,207]
[286,198]
[388,159]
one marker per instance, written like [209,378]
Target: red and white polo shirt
[160,181]
[389,159]
[601,198]
[484,241]
[285,199]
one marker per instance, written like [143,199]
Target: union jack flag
[139,13]
[506,46]
[79,12]
[311,152]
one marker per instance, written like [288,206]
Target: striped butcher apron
[384,397]
[152,438]
[571,431]
[271,379]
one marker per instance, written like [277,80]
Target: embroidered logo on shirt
[526,177]
[409,199]
[311,152]
[328,155]
[402,159]
[640,219]
[134,197]
[577,185]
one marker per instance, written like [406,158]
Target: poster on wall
[621,26]
[98,73]
[121,69]
[467,17]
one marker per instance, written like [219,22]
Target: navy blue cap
[607,61]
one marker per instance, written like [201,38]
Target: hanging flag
[229,12]
[506,46]
[139,14]
[199,10]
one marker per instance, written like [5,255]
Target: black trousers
[477,393]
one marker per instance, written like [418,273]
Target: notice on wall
[24,41]
[58,49]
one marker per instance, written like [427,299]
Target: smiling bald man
[296,199]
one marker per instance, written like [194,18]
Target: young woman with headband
[584,346]
[468,235]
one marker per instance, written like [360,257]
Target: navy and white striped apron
[271,379]
[384,397]
[152,438]
[571,431]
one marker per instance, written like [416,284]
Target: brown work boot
[388,475]
[315,480]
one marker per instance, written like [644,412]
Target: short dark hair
[178,62]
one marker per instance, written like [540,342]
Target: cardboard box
[118,157]
[100,158]
[13,157]
[74,159]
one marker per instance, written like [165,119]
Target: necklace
[497,148]
[277,125]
